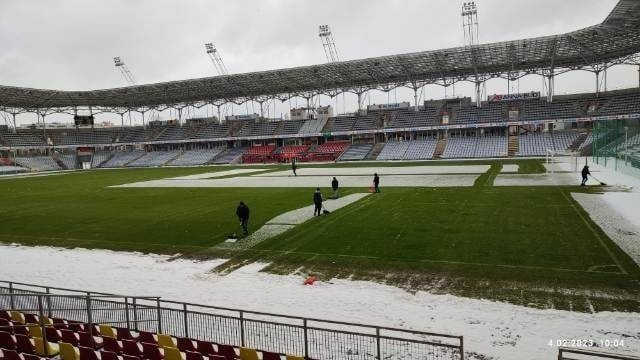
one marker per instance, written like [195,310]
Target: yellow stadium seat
[69,352]
[248,354]
[52,349]
[47,320]
[166,341]
[292,357]
[106,330]
[171,353]
[35,331]
[17,317]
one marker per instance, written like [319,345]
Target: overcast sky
[69,45]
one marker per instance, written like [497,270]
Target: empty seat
[185,344]
[227,351]
[51,349]
[151,352]
[5,325]
[7,341]
[90,341]
[24,344]
[106,330]
[266,355]
[69,352]
[31,318]
[171,353]
[53,335]
[11,355]
[35,331]
[193,355]
[205,348]
[166,341]
[248,354]
[113,345]
[31,357]
[70,337]
[106,355]
[126,334]
[292,357]
[88,353]
[147,337]
[131,348]
[17,316]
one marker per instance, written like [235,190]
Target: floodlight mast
[216,59]
[472,37]
[330,50]
[124,70]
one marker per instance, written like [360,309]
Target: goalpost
[554,157]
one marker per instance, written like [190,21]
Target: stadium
[332,211]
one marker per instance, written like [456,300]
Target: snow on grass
[216,174]
[388,170]
[497,330]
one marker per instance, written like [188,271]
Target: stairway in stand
[375,151]
[578,141]
[440,146]
[514,145]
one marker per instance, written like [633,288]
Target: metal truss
[594,49]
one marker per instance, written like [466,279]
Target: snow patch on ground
[623,232]
[497,330]
[210,175]
[510,168]
[557,179]
[399,170]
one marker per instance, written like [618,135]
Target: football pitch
[533,246]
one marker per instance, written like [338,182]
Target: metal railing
[307,337]
[585,354]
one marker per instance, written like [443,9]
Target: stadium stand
[290,152]
[230,156]
[258,154]
[196,157]
[99,157]
[313,126]
[460,148]
[68,160]
[535,144]
[329,151]
[356,152]
[258,128]
[121,159]
[394,151]
[491,146]
[153,158]
[39,163]
[420,150]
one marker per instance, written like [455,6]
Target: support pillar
[597,83]
[478,99]
[15,126]
[359,101]
[143,123]
[219,114]
[638,76]
[122,120]
[551,89]
[415,98]
[179,116]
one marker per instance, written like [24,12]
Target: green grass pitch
[528,245]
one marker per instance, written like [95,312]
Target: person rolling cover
[585,175]
[317,201]
[243,216]
[334,186]
[376,182]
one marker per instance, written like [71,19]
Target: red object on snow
[310,280]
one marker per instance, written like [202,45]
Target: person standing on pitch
[243,216]
[376,182]
[294,166]
[585,175]
[317,201]
[334,186]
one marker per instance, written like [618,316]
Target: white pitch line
[216,174]
[390,170]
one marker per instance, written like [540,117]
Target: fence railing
[307,337]
[585,354]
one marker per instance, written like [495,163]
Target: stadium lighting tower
[214,55]
[470,23]
[124,70]
[330,50]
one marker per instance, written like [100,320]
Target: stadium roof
[616,40]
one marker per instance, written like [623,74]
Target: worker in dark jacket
[585,174]
[334,186]
[317,201]
[243,216]
[376,182]
[294,166]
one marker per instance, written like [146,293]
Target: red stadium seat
[11,355]
[87,340]
[31,318]
[147,337]
[60,323]
[129,357]
[31,357]
[25,345]
[20,329]
[126,334]
[112,345]
[5,315]
[88,353]
[185,344]
[193,355]
[106,355]
[266,355]
[205,348]
[53,335]
[6,325]
[151,352]
[131,348]
[70,337]
[227,351]
[7,341]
